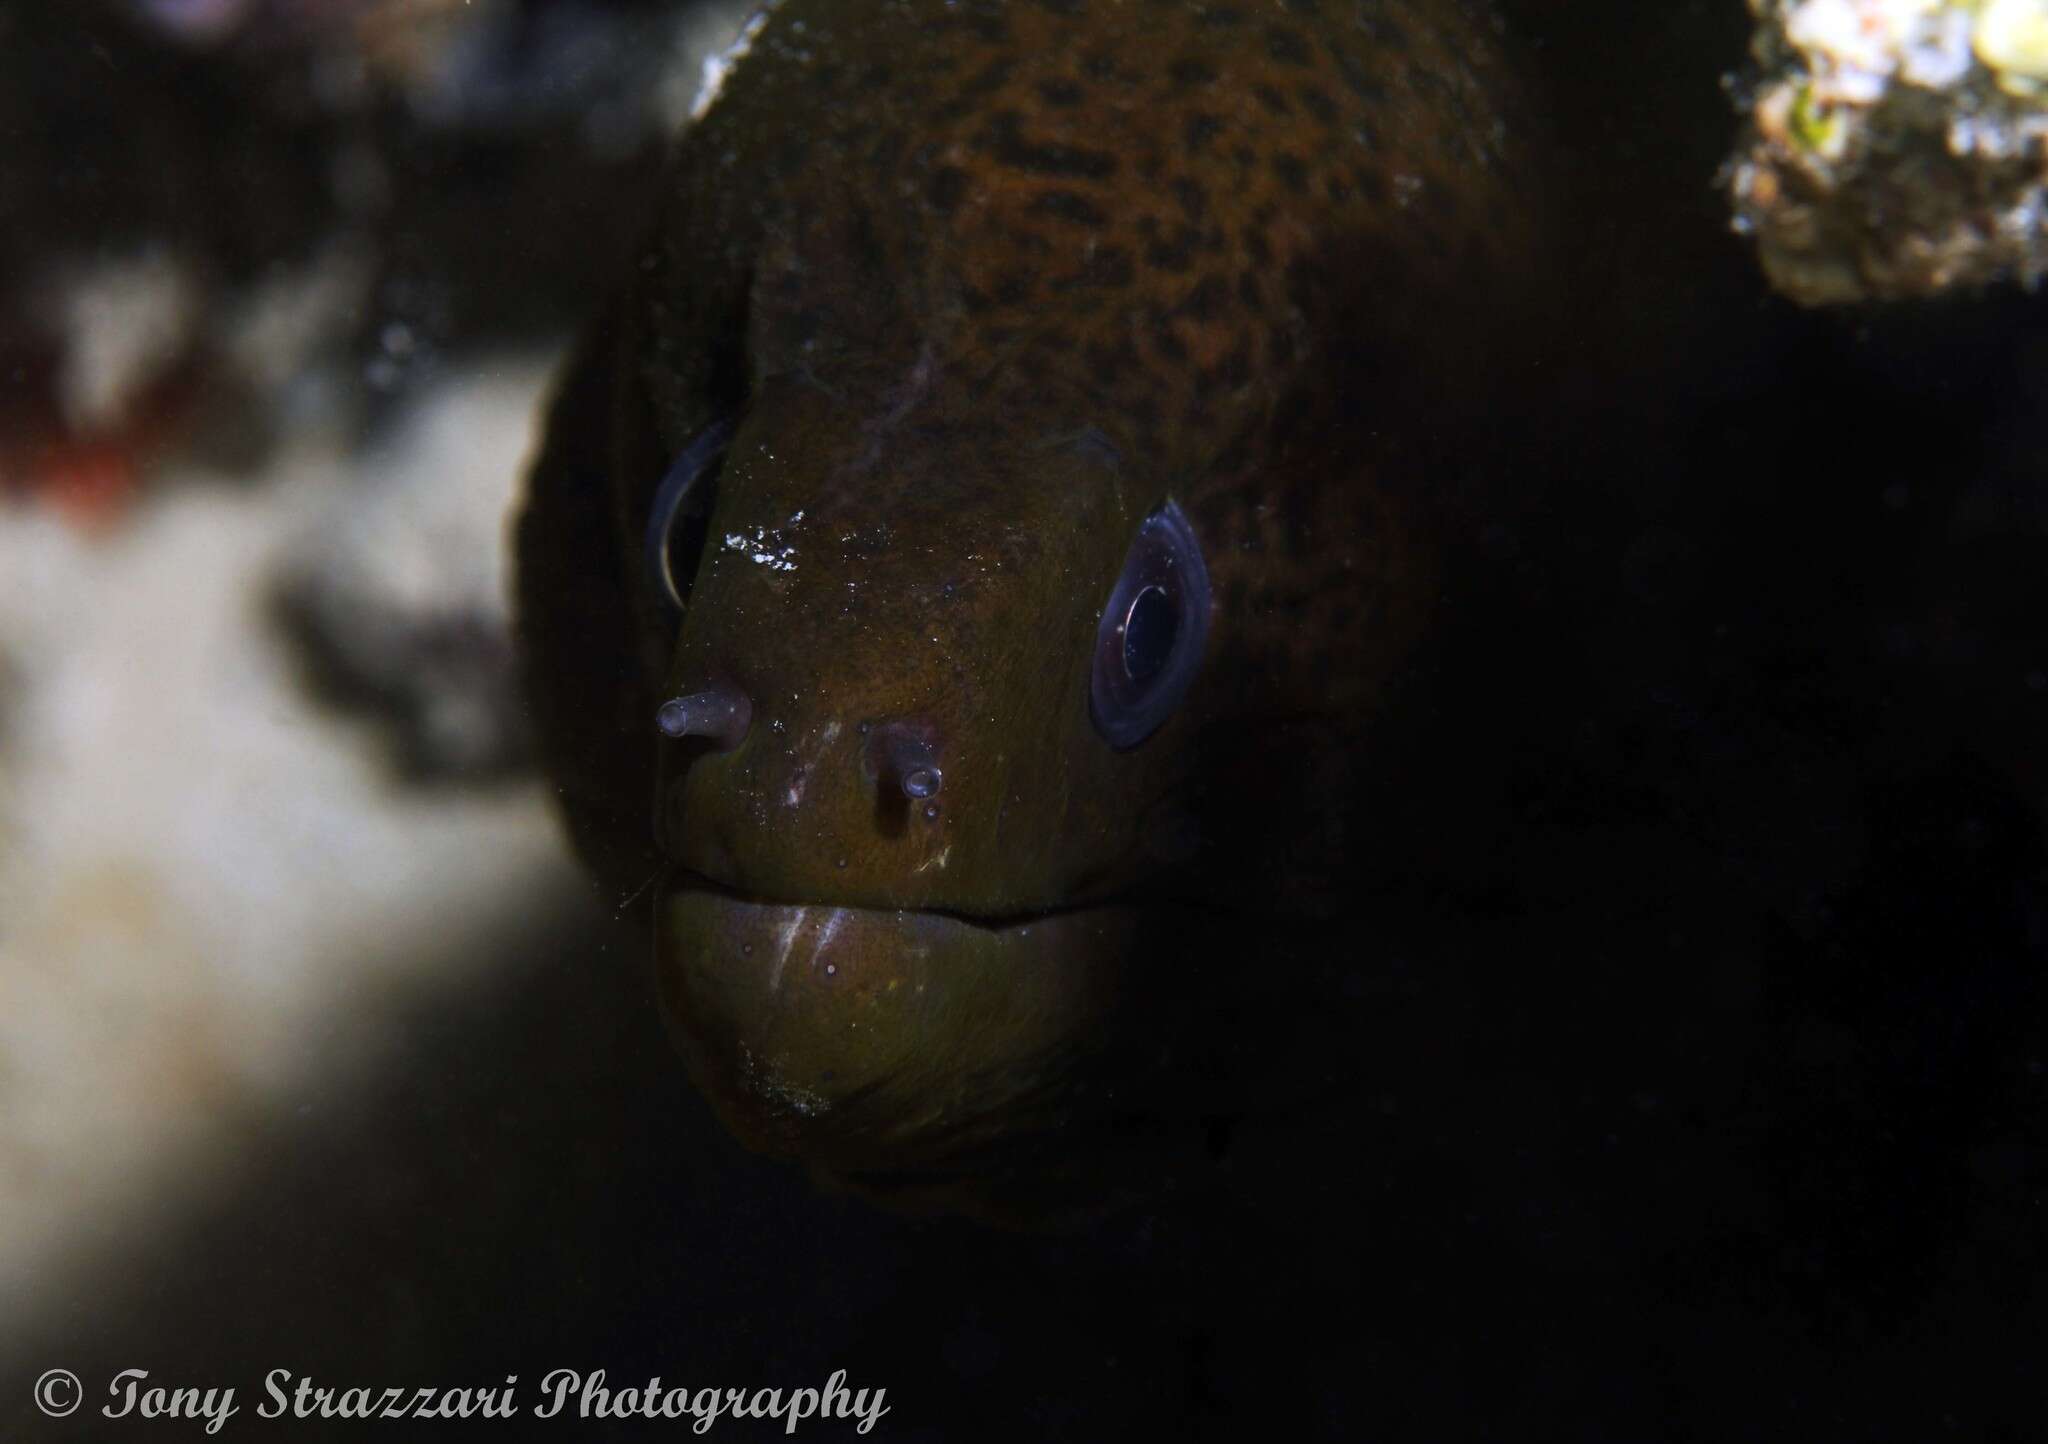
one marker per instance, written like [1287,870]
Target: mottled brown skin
[986,285]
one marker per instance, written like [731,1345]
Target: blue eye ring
[1148,645]
[679,497]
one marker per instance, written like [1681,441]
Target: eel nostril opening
[912,767]
[905,760]
[719,713]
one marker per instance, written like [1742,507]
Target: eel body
[1051,419]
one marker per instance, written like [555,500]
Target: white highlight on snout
[718,65]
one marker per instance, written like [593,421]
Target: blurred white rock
[396,583]
[215,893]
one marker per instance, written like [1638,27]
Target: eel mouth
[867,1040]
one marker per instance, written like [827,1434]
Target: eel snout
[871,1041]
[833,1011]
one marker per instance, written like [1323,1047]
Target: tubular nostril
[919,781]
[909,764]
[719,713]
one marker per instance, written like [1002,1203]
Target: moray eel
[971,557]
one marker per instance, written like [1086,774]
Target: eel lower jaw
[870,1041]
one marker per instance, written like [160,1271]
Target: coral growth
[1896,148]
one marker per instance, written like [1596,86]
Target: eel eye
[681,512]
[1149,644]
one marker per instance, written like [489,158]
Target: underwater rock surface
[214,895]
[1895,148]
